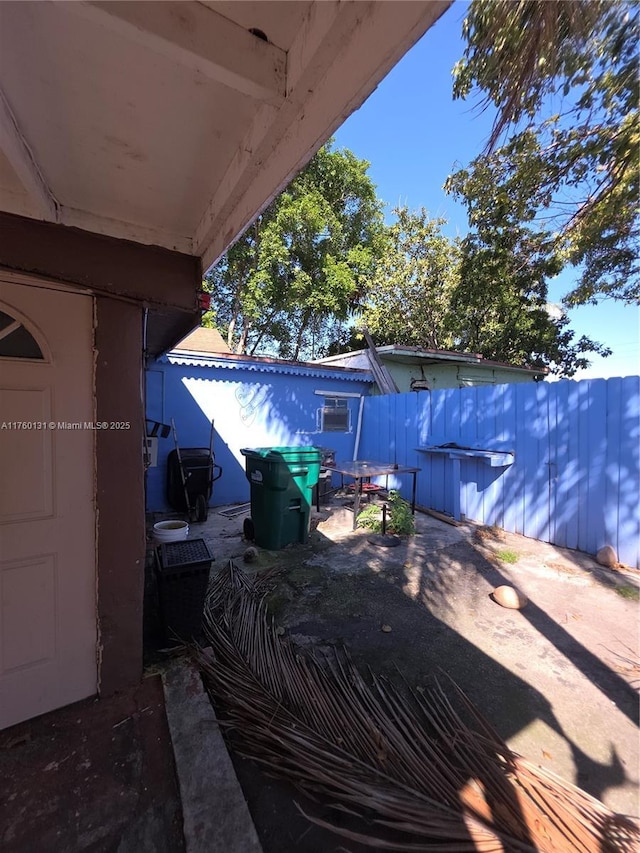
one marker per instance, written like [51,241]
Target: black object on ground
[249,529]
[183,576]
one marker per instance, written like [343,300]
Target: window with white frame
[334,416]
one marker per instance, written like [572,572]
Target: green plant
[399,517]
[630,592]
[508,556]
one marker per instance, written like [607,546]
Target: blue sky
[414,135]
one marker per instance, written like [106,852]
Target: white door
[47,507]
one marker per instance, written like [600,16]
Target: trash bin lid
[187,552]
[281,452]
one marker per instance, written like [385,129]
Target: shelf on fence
[493,458]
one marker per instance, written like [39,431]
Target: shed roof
[422,355]
[203,340]
[265,364]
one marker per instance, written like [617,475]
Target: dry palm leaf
[628,665]
[424,772]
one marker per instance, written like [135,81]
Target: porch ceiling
[170,123]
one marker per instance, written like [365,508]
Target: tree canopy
[297,272]
[408,295]
[486,293]
[556,186]
[500,304]
[564,78]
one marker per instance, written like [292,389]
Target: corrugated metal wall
[575,478]
[250,408]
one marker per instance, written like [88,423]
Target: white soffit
[170,123]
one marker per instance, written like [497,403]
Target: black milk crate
[183,577]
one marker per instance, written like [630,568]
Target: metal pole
[356,446]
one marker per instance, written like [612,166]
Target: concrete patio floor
[145,771]
[149,770]
[556,679]
[98,775]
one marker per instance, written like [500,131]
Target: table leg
[413,495]
[356,502]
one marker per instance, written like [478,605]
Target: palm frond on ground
[422,771]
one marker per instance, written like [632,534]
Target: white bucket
[170,531]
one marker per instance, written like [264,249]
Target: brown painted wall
[71,255]
[120,493]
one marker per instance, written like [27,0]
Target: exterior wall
[107,264]
[251,408]
[168,283]
[120,493]
[453,375]
[575,477]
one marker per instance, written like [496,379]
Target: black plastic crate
[183,577]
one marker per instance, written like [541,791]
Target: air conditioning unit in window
[335,415]
[335,420]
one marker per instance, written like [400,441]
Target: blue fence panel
[506,419]
[628,541]
[537,479]
[595,465]
[569,473]
[560,430]
[575,479]
[402,449]
[581,417]
[490,428]
[411,429]
[612,459]
[386,430]
[469,475]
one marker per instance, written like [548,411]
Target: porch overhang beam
[354,41]
[101,264]
[198,38]
[17,151]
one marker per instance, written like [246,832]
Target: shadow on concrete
[338,591]
[436,588]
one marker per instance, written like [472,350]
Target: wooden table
[363,471]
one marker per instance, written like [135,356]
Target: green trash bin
[282,481]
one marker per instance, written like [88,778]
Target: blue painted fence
[574,480]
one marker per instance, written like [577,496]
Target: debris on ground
[628,664]
[418,770]
[489,532]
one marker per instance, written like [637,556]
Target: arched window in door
[16,341]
